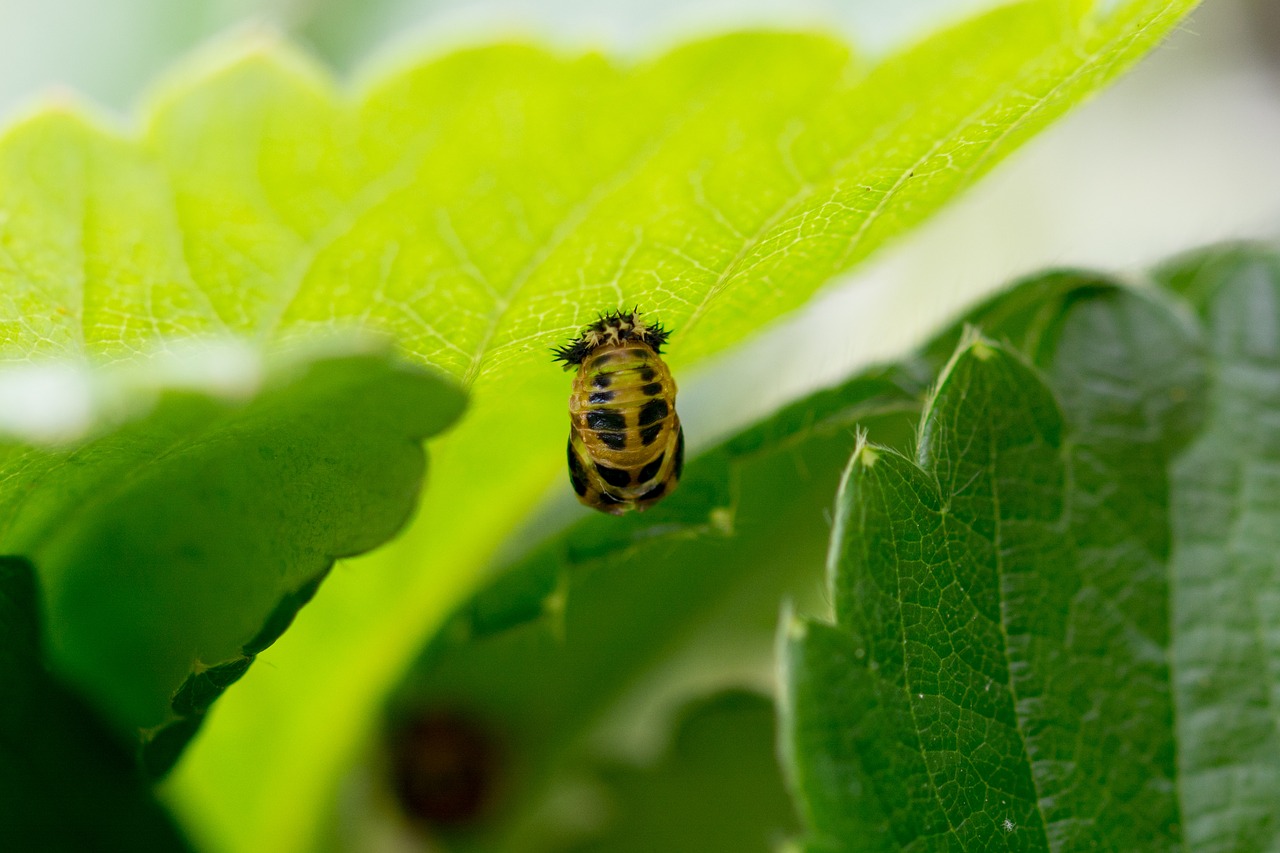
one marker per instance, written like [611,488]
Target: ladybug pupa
[626,446]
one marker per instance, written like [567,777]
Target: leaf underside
[175,547]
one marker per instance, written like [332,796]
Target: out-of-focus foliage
[548,647]
[716,787]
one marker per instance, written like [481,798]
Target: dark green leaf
[1226,592]
[570,618]
[67,782]
[175,547]
[998,674]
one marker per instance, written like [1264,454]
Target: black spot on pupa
[647,375]
[614,476]
[677,467]
[653,411]
[577,476]
[653,494]
[650,471]
[602,380]
[653,389]
[600,397]
[606,419]
[613,440]
[649,434]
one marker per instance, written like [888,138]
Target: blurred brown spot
[445,769]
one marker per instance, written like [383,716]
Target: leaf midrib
[908,688]
[997,544]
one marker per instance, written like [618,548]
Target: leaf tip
[982,351]
[864,453]
[257,49]
[972,340]
[972,343]
[56,116]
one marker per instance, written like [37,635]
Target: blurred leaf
[176,546]
[717,788]
[67,782]
[998,674]
[538,656]
[479,208]
[1225,515]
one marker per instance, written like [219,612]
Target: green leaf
[175,546]
[998,672]
[1225,515]
[479,208]
[716,788]
[922,568]
[66,780]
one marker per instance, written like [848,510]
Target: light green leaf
[479,208]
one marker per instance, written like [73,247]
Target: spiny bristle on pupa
[613,327]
